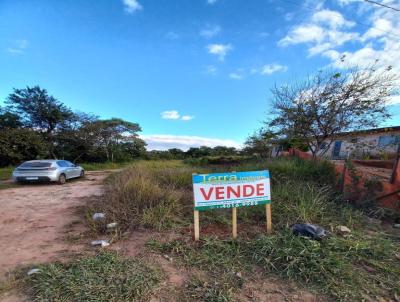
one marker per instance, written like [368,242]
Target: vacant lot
[152,203]
[34,220]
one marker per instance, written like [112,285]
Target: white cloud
[18,47]
[210,31]
[187,117]
[175,115]
[394,100]
[132,6]
[184,142]
[326,30]
[272,68]
[170,115]
[212,1]
[236,76]
[379,29]
[380,42]
[331,18]
[220,50]
[302,34]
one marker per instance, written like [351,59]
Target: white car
[47,170]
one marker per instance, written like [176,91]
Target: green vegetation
[35,125]
[345,268]
[105,277]
[158,195]
[105,166]
[5,173]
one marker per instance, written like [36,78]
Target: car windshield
[36,164]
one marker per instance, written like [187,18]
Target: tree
[109,134]
[177,153]
[199,152]
[17,145]
[223,150]
[40,111]
[260,143]
[9,120]
[316,110]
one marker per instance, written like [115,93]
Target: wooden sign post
[234,223]
[231,190]
[196,225]
[268,216]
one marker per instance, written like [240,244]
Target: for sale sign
[231,190]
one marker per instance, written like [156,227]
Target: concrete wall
[363,146]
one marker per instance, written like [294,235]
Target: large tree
[317,109]
[110,134]
[40,111]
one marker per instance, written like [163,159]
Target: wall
[389,202]
[366,146]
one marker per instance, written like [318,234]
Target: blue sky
[190,72]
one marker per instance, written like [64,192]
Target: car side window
[69,164]
[61,163]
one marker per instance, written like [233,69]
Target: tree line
[36,125]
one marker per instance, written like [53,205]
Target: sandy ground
[34,220]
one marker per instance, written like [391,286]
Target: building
[378,143]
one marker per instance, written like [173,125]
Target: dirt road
[34,220]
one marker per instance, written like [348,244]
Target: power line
[356,21]
[383,5]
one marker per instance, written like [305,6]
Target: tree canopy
[34,124]
[327,103]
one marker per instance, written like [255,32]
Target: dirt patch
[34,219]
[259,288]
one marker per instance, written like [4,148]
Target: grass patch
[158,194]
[105,277]
[344,268]
[104,166]
[347,269]
[223,262]
[5,173]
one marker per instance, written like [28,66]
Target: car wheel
[62,179]
[82,173]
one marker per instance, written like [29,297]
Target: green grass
[104,166]
[346,269]
[105,277]
[158,195]
[5,173]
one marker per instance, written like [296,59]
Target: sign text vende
[227,190]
